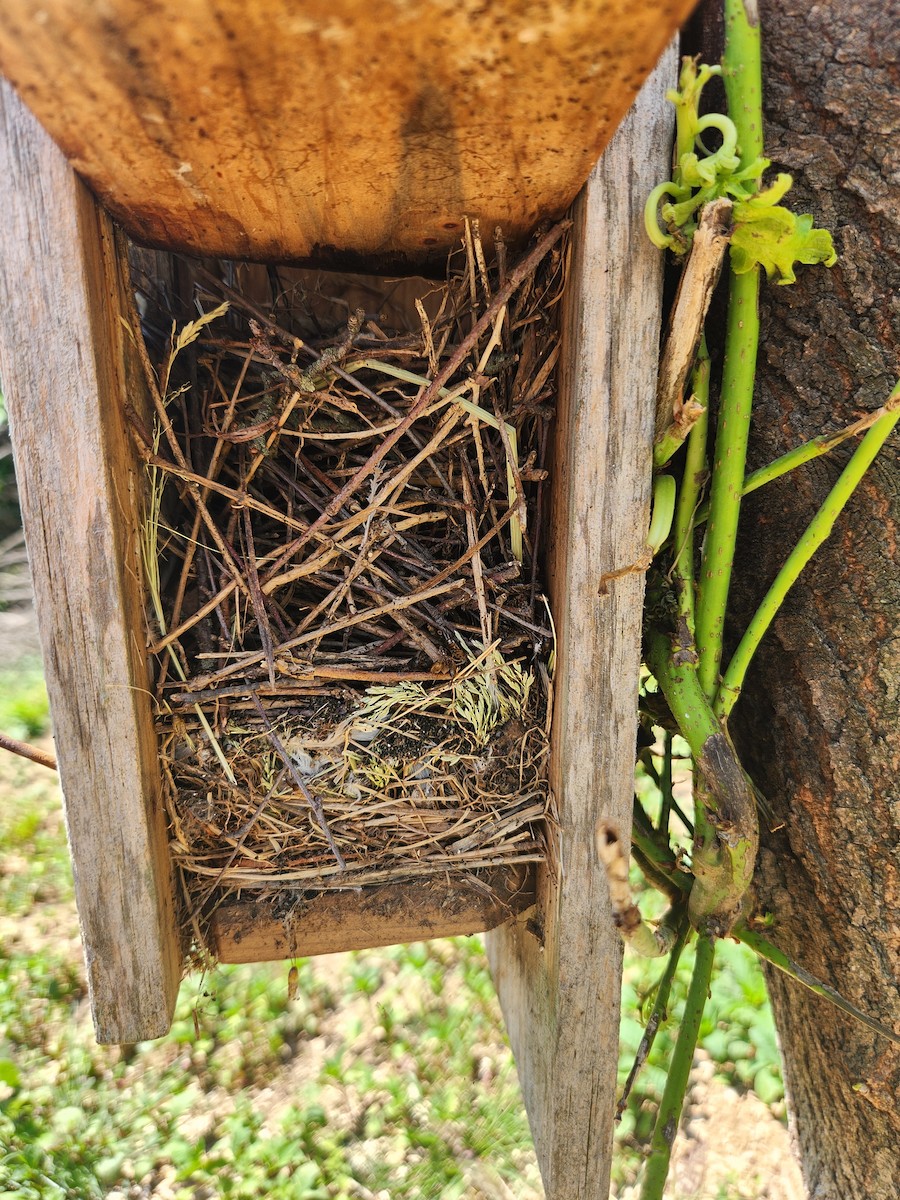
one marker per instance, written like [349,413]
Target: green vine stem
[816,532]
[814,448]
[764,948]
[674,883]
[726,828]
[665,783]
[672,1102]
[655,857]
[732,430]
[658,1013]
[742,73]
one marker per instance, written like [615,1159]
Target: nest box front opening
[350,644]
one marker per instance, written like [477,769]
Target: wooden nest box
[358,137]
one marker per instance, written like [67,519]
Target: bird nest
[346,494]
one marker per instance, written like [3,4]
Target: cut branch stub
[698,281]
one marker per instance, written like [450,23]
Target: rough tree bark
[819,724]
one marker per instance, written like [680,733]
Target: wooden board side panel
[63,374]
[288,131]
[560,996]
[249,931]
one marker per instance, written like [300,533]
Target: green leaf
[776,238]
[9,1073]
[768,1086]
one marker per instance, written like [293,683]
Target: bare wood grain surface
[63,369]
[558,972]
[289,131]
[250,931]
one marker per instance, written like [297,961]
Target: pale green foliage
[481,697]
[190,332]
[777,239]
[764,232]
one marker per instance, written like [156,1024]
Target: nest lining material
[352,651]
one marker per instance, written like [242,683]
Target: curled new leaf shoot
[723,161]
[765,234]
[665,241]
[691,82]
[775,191]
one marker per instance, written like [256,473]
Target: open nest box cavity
[351,649]
[326,658]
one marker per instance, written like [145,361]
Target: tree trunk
[819,724]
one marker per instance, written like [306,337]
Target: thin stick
[521,272]
[212,472]
[368,616]
[203,611]
[477,568]
[689,494]
[314,803]
[258,601]
[362,676]
[238,498]
[695,289]
[193,490]
[657,1015]
[24,750]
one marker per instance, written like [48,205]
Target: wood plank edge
[244,931]
[62,356]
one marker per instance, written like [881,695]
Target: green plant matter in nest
[341,540]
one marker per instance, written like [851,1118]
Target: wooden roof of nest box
[331,130]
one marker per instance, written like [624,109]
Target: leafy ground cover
[388,1076]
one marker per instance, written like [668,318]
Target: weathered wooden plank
[63,368]
[249,931]
[558,971]
[283,131]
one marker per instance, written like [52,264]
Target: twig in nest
[521,272]
[314,805]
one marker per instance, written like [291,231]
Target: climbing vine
[715,200]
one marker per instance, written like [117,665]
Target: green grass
[24,708]
[389,1076]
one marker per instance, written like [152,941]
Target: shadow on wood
[335,130]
